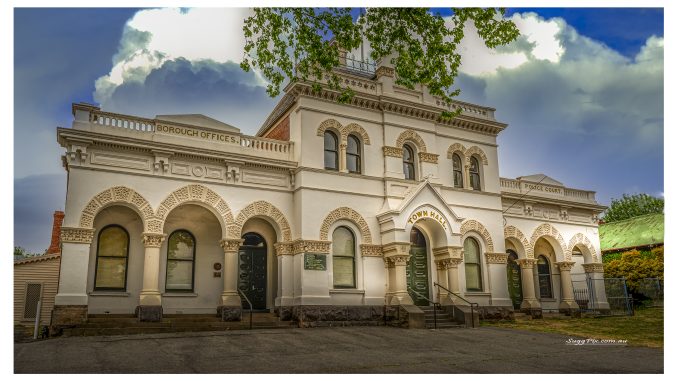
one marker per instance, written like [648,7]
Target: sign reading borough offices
[197,133]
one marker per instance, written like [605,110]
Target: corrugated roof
[637,231]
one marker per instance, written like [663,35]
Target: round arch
[345,213]
[199,195]
[476,226]
[355,129]
[411,135]
[269,212]
[119,195]
[458,148]
[475,151]
[329,124]
[584,244]
[552,235]
[515,236]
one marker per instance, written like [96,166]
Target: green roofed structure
[640,232]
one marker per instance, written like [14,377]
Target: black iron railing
[249,303]
[473,305]
[435,307]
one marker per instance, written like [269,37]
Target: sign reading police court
[196,133]
[432,214]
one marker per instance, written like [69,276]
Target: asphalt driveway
[334,350]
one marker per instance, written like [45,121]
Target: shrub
[636,266]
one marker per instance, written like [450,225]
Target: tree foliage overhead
[632,206]
[304,43]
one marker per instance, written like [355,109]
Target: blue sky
[582,92]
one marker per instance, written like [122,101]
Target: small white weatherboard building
[332,212]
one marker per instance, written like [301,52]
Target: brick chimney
[55,245]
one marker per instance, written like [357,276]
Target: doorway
[417,269]
[252,270]
[515,286]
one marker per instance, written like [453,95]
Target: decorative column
[467,173]
[285,297]
[595,275]
[530,303]
[398,253]
[71,300]
[441,266]
[230,308]
[567,302]
[342,157]
[497,280]
[453,277]
[150,301]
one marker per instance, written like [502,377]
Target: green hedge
[635,266]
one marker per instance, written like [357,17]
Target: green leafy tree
[304,44]
[19,252]
[632,206]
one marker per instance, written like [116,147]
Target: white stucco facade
[188,172]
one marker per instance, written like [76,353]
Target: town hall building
[351,209]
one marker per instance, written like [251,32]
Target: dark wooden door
[513,276]
[252,276]
[417,269]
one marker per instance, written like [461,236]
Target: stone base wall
[495,313]
[333,316]
[149,313]
[229,313]
[64,316]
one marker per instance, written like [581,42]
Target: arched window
[474,279]
[408,163]
[180,261]
[474,172]
[331,151]
[112,255]
[544,271]
[353,154]
[343,258]
[457,171]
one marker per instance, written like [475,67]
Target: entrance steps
[444,319]
[99,325]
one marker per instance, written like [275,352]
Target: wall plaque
[315,262]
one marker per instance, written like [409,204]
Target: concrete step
[444,325]
[144,328]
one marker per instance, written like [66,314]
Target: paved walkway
[333,350]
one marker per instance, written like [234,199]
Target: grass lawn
[644,329]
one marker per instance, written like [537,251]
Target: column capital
[393,151]
[593,267]
[399,260]
[76,235]
[153,239]
[231,245]
[526,263]
[496,258]
[396,248]
[283,248]
[300,246]
[565,265]
[448,252]
[369,250]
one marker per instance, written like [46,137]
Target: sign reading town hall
[329,206]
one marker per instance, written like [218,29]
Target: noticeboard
[315,262]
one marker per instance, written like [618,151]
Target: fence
[651,289]
[587,293]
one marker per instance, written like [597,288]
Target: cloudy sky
[581,90]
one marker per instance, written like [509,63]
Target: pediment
[538,178]
[198,120]
[423,194]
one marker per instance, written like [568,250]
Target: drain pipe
[37,320]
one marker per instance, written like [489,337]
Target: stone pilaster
[398,253]
[230,308]
[567,302]
[595,272]
[530,303]
[74,267]
[150,300]
[452,266]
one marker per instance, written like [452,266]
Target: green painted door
[515,286]
[417,269]
[252,271]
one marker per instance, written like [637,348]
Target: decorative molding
[231,245]
[428,157]
[283,248]
[393,151]
[76,235]
[448,252]
[399,260]
[549,230]
[515,233]
[581,239]
[452,263]
[344,131]
[384,71]
[475,150]
[496,258]
[119,195]
[258,209]
[475,226]
[300,246]
[345,213]
[456,147]
[527,263]
[413,136]
[329,124]
[194,193]
[368,250]
[565,266]
[593,267]
[153,239]
[396,248]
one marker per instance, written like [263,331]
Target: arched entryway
[252,270]
[514,279]
[417,269]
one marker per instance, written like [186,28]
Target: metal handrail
[248,302]
[435,307]
[471,304]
